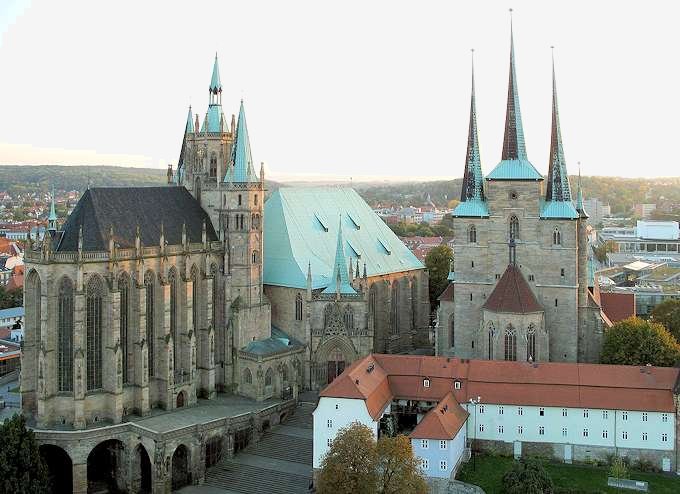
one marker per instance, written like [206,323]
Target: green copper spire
[241,168]
[215,84]
[513,140]
[473,180]
[52,218]
[340,279]
[558,188]
[190,122]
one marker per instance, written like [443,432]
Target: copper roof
[569,385]
[443,421]
[512,294]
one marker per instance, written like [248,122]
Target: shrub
[619,469]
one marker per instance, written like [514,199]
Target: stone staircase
[280,463]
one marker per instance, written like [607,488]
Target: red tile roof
[618,306]
[443,421]
[512,294]
[571,385]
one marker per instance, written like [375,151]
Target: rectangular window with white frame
[424,463]
[564,431]
[443,465]
[605,414]
[644,436]
[520,411]
[541,411]
[481,427]
[644,416]
[329,422]
[500,409]
[664,417]
[443,444]
[541,430]
[564,412]
[624,415]
[586,413]
[624,435]
[664,437]
[520,430]
[424,443]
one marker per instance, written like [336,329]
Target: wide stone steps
[302,417]
[246,479]
[282,447]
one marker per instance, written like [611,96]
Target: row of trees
[358,464]
[403,229]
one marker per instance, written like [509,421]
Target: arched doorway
[106,467]
[213,451]
[180,399]
[59,466]
[335,365]
[180,467]
[141,471]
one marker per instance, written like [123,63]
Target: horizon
[384,103]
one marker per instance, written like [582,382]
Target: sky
[349,90]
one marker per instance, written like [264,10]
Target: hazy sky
[348,89]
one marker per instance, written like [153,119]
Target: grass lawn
[580,478]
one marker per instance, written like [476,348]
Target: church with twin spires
[519,286]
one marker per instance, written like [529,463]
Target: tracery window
[194,297]
[65,335]
[150,333]
[172,280]
[348,317]
[298,307]
[94,321]
[124,313]
[268,377]
[452,327]
[213,165]
[33,310]
[472,234]
[557,236]
[531,342]
[514,227]
[247,376]
[372,300]
[395,307]
[491,331]
[510,343]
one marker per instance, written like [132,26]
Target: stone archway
[140,471]
[59,466]
[181,476]
[181,399]
[332,357]
[106,467]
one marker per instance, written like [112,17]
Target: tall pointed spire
[190,122]
[52,218]
[513,140]
[558,188]
[580,208]
[241,168]
[340,278]
[473,180]
[215,83]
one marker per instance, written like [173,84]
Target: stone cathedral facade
[519,287]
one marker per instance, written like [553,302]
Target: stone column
[141,357]
[79,361]
[112,358]
[164,353]
[80,478]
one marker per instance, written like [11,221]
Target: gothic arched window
[94,320]
[194,297]
[247,376]
[472,234]
[149,279]
[452,328]
[33,310]
[372,296]
[327,312]
[348,317]
[298,307]
[284,373]
[65,335]
[491,331]
[213,165]
[510,343]
[172,280]
[557,236]
[123,319]
[269,377]
[514,227]
[531,342]
[395,307]
[256,257]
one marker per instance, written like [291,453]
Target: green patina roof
[190,122]
[558,210]
[213,119]
[514,169]
[53,213]
[241,167]
[558,188]
[301,228]
[475,209]
[277,343]
[215,83]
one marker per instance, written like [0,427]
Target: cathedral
[147,300]
[519,290]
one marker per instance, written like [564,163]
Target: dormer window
[426,383]
[456,385]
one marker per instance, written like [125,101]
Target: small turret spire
[241,169]
[215,84]
[513,140]
[190,122]
[52,218]
[558,188]
[341,283]
[473,188]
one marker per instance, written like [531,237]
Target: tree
[11,298]
[638,342]
[438,263]
[356,464]
[602,250]
[349,467]
[619,469]
[398,469]
[668,314]
[527,476]
[22,469]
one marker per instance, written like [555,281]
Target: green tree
[349,467]
[438,262]
[527,476]
[601,250]
[619,469]
[398,470]
[668,314]
[638,342]
[22,469]
[11,298]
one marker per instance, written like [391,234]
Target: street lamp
[472,451]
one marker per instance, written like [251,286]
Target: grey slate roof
[126,207]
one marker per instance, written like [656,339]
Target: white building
[570,411]
[648,237]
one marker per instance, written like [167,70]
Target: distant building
[658,238]
[10,316]
[644,210]
[597,210]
